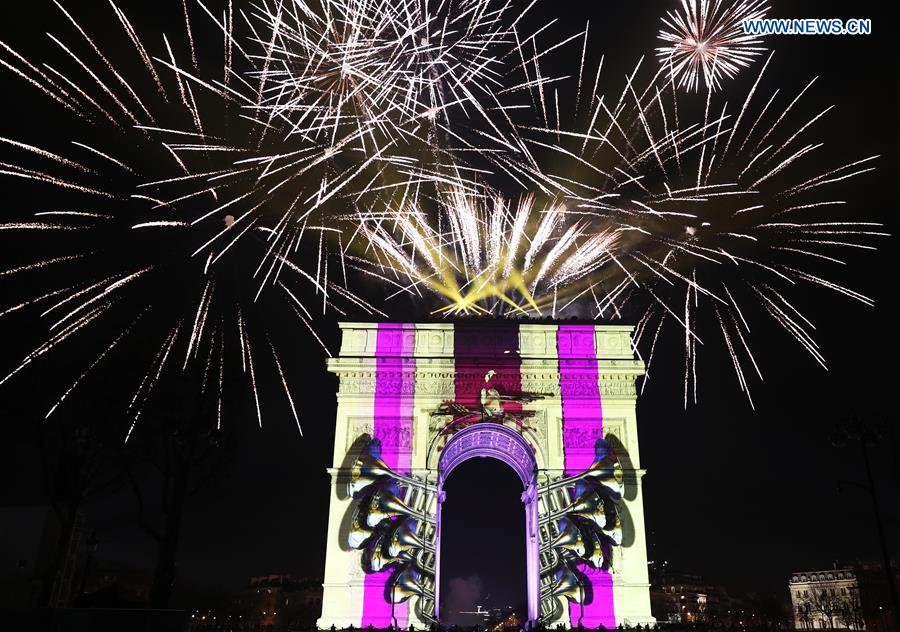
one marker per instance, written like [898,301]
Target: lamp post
[867,438]
[91,545]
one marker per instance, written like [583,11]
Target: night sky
[743,497]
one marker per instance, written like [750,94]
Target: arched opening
[503,444]
[483,544]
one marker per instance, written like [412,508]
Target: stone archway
[537,396]
[491,440]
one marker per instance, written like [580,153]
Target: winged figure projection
[394,527]
[494,407]
[581,525]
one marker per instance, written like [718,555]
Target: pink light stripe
[582,410]
[392,425]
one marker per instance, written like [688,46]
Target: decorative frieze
[582,436]
[444,384]
[394,437]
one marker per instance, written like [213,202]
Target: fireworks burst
[716,217]
[483,256]
[706,40]
[213,201]
[386,69]
[356,135]
[172,229]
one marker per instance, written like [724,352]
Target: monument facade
[555,402]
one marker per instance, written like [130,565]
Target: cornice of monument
[446,325]
[423,366]
[537,341]
[358,380]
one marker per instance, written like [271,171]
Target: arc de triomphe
[556,402]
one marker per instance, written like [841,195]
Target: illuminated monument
[554,402]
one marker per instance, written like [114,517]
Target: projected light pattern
[572,515]
[395,539]
[393,413]
[583,417]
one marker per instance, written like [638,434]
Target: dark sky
[741,496]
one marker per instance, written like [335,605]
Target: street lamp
[868,437]
[91,545]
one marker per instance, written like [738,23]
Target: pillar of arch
[564,385]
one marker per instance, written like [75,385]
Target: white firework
[706,41]
[484,255]
[234,162]
[721,216]
[377,65]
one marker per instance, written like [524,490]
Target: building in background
[827,599]
[495,619]
[684,599]
[280,602]
[268,603]
[852,598]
